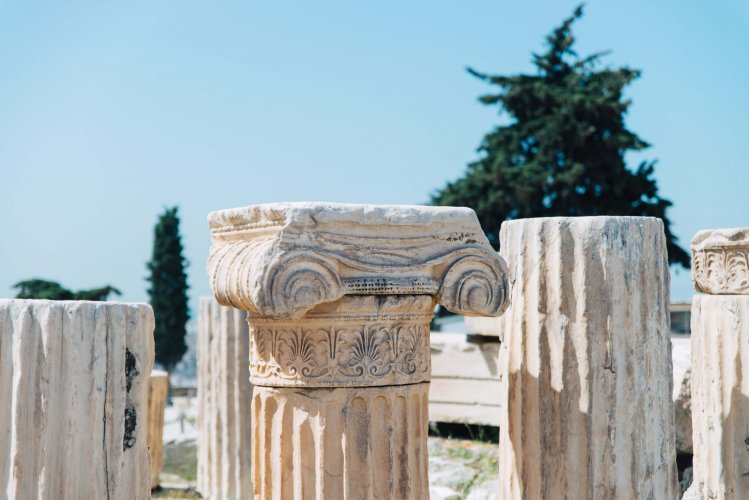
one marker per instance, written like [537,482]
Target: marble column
[720,364]
[586,360]
[340,298]
[74,399]
[224,396]
[158,384]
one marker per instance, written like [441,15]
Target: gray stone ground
[457,470]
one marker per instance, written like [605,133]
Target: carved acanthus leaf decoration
[345,347]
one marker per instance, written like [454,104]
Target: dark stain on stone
[457,236]
[131,369]
[131,417]
[131,422]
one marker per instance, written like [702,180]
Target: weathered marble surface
[360,340]
[158,385]
[720,396]
[224,399]
[341,442]
[586,360]
[74,399]
[720,261]
[281,260]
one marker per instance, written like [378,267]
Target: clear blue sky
[110,112]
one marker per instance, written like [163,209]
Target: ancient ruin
[73,398]
[340,299]
[585,360]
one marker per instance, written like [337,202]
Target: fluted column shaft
[720,364]
[224,400]
[720,395]
[586,361]
[74,399]
[341,443]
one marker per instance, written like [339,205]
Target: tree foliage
[562,149]
[168,290]
[50,290]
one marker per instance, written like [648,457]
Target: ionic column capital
[282,260]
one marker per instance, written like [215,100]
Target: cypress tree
[561,150]
[168,290]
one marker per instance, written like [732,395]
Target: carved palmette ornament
[720,261]
[282,260]
[358,341]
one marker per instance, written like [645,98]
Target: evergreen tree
[168,290]
[96,293]
[51,290]
[561,152]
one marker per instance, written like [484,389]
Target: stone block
[465,380]
[488,327]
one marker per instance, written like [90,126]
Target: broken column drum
[585,361]
[720,364]
[74,399]
[340,298]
